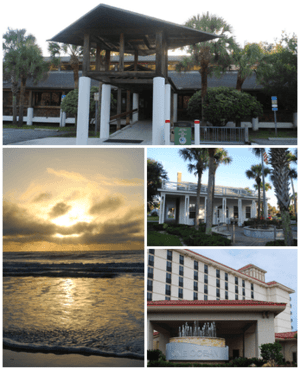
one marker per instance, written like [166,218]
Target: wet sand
[36,359]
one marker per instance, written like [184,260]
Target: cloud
[108,205]
[58,210]
[42,197]
[68,175]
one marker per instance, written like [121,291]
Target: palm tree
[292,158]
[255,172]
[280,164]
[211,171]
[198,159]
[211,56]
[267,188]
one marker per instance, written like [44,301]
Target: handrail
[115,117]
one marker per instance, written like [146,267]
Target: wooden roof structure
[117,30]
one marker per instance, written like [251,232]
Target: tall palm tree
[198,159]
[255,172]
[280,164]
[211,171]
[210,56]
[267,188]
[292,158]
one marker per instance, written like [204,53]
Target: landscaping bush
[272,351]
[255,222]
[278,243]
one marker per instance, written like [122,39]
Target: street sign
[275,109]
[96,96]
[274,101]
[63,96]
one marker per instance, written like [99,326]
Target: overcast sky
[280,264]
[232,174]
[73,199]
[252,22]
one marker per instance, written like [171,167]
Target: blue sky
[280,264]
[227,175]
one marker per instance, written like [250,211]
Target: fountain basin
[263,233]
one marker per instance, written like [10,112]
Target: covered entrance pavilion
[108,29]
[245,324]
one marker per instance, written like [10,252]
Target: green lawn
[266,133]
[152,218]
[161,239]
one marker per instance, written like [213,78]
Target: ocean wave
[72,270]
[57,349]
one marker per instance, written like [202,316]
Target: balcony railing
[219,190]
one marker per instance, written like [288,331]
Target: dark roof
[105,23]
[214,303]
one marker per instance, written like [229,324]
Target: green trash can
[182,133]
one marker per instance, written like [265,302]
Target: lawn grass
[161,239]
[42,126]
[266,133]
[156,218]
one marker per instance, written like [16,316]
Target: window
[205,278]
[218,292]
[235,212]
[205,269]
[226,277]
[252,287]
[195,286]
[205,298]
[195,264]
[217,282]
[248,212]
[151,251]
[236,289]
[180,281]
[181,259]
[150,260]
[192,211]
[180,270]
[205,289]
[236,280]
[167,298]
[195,296]
[168,290]
[252,294]
[226,295]
[243,283]
[244,292]
[168,278]
[169,266]
[226,286]
[169,255]
[236,297]
[195,275]
[180,293]
[217,273]
[149,285]
[149,296]
[150,272]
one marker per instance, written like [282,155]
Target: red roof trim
[286,335]
[212,303]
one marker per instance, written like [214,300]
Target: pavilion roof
[105,23]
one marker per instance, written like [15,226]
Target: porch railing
[224,134]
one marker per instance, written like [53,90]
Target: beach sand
[36,359]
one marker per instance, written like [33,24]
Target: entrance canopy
[105,23]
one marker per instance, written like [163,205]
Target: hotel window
[195,275]
[150,260]
[236,280]
[169,266]
[243,283]
[252,287]
[205,269]
[205,278]
[226,277]
[236,297]
[252,294]
[168,278]
[195,264]
[236,289]
[226,286]
[149,285]
[217,282]
[218,292]
[152,251]
[169,255]
[205,298]
[195,286]
[180,293]
[195,296]
[205,289]
[244,292]
[180,270]
[167,298]
[181,259]
[226,295]
[168,290]
[180,281]
[192,211]
[149,296]
[248,212]
[217,273]
[150,272]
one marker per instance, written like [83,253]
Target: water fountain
[197,344]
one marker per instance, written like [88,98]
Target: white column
[197,132]
[175,98]
[187,208]
[158,111]
[167,114]
[62,122]
[135,105]
[167,132]
[240,211]
[105,111]
[253,209]
[83,112]
[29,116]
[224,209]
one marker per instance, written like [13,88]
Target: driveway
[11,135]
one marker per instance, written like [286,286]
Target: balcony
[219,190]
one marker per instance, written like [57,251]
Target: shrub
[278,243]
[272,351]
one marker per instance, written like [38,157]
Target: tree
[155,175]
[280,176]
[292,158]
[211,57]
[277,72]
[272,351]
[23,59]
[255,172]
[198,159]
